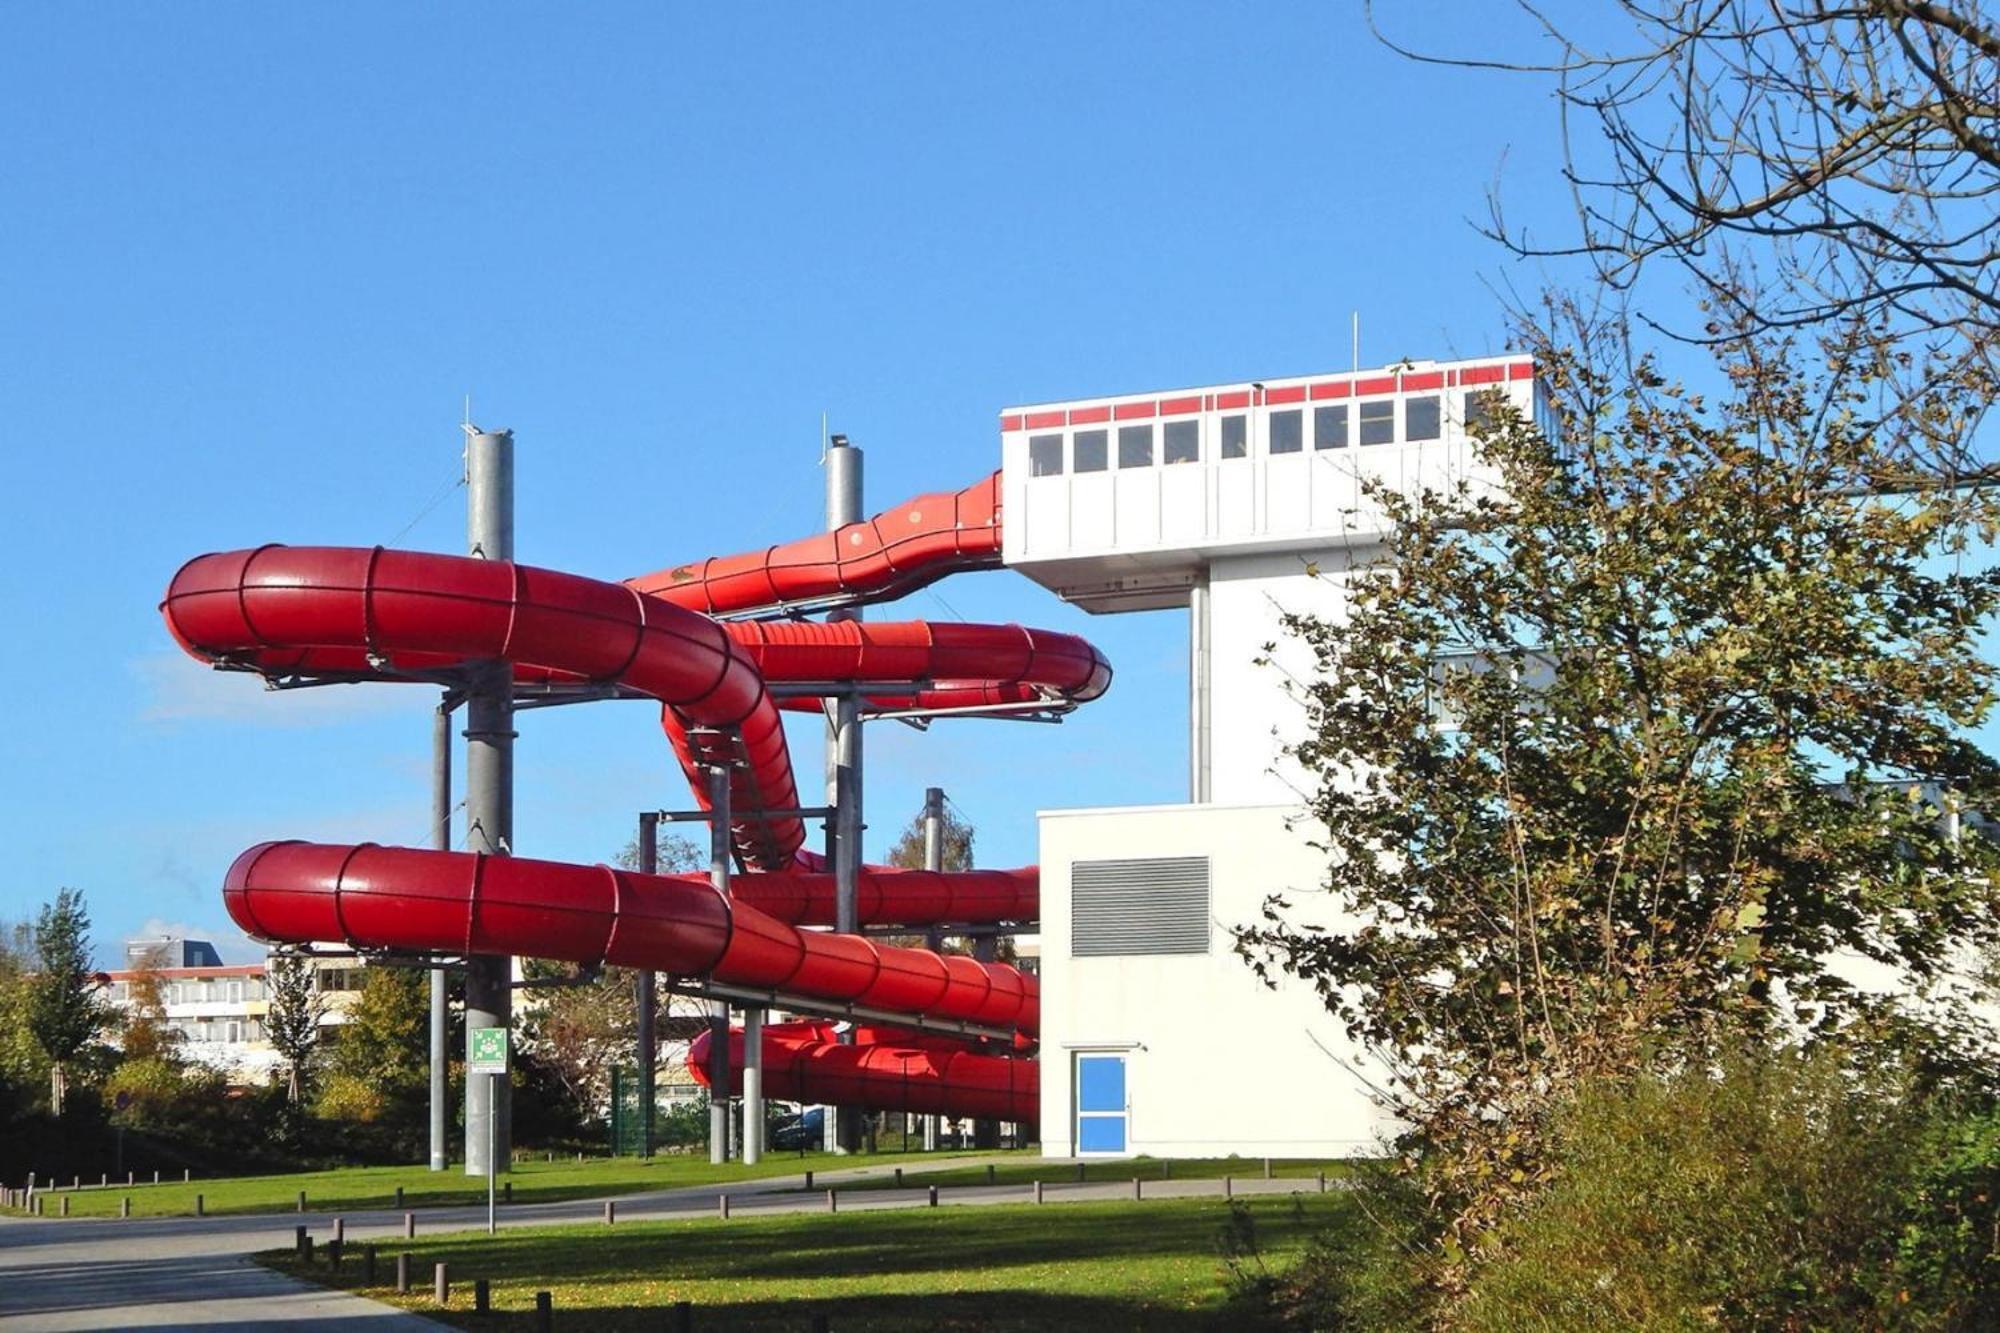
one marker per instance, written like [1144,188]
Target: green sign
[486,1050]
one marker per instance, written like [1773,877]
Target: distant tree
[956,844]
[676,855]
[145,1033]
[384,1046]
[24,1067]
[298,1008]
[67,1013]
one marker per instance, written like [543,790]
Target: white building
[1242,503]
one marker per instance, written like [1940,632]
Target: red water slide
[371,613]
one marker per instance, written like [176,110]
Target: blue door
[1101,1108]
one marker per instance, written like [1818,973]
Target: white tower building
[1243,503]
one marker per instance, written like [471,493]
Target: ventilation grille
[1151,906]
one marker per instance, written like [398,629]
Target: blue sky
[258,257]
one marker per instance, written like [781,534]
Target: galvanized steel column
[933,938]
[440,983]
[844,754]
[648,993]
[753,1086]
[718,1011]
[489,792]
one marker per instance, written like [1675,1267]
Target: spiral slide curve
[378,614]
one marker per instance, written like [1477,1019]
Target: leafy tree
[384,1045]
[1625,741]
[297,1010]
[24,1067]
[66,1012]
[145,1033]
[955,843]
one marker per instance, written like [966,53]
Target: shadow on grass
[998,1311]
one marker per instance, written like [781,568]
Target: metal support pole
[1198,681]
[934,938]
[489,793]
[753,1086]
[844,754]
[718,1010]
[440,984]
[649,994]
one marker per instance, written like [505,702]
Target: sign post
[486,1051]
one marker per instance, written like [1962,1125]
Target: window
[1183,442]
[1330,426]
[234,1033]
[1091,446]
[1287,431]
[1423,418]
[236,992]
[1235,437]
[1135,446]
[1479,407]
[1045,456]
[1378,422]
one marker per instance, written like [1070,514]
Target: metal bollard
[1267,1168]
[368,1264]
[933,1193]
[65,1205]
[1228,1187]
[832,1202]
[722,1206]
[187,1175]
[334,1249]
[307,1254]
[302,1201]
[339,1229]
[1167,1169]
[409,1226]
[441,1285]
[131,1179]
[990,1176]
[610,1211]
[683,1320]
[403,1272]
[156,1177]
[399,1196]
[125,1206]
[899,1177]
[482,1296]
[1038,1191]
[1079,1173]
[506,1191]
[809,1180]
[1138,1188]
[545,1313]
[104,1181]
[199,1209]
[298,1240]
[76,1182]
[1322,1182]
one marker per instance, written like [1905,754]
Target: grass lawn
[1087,1265]
[357,1188]
[1029,1169]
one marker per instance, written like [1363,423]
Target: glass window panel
[1045,456]
[1330,426]
[1288,431]
[1235,437]
[1135,446]
[1378,422]
[1091,449]
[1183,442]
[1100,1133]
[1423,418]
[1100,1083]
[1479,405]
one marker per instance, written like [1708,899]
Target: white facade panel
[1214,1062]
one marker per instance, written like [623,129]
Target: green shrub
[1784,1192]
[344,1096]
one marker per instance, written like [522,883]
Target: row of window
[234,990]
[1374,422]
[215,1029]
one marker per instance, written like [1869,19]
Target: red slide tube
[805,1063]
[401,898]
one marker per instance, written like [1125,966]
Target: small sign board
[486,1050]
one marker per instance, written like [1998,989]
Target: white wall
[1216,1062]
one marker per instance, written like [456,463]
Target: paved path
[189,1273]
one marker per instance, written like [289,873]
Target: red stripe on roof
[1040,420]
[1224,401]
[1451,377]
[1427,379]
[1337,389]
[1294,394]
[1173,407]
[1130,411]
[1521,370]
[1085,416]
[1010,423]
[1482,374]
[1381,384]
